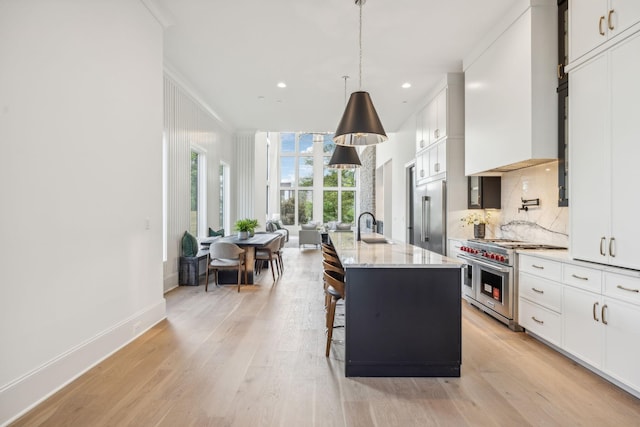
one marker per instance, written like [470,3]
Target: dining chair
[267,253]
[335,289]
[280,252]
[226,256]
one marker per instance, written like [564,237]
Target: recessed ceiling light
[261,98]
[282,84]
[406,85]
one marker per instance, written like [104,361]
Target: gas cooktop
[514,244]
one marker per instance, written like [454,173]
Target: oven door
[468,284]
[494,287]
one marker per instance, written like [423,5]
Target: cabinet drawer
[540,321]
[583,277]
[540,291]
[540,267]
[622,287]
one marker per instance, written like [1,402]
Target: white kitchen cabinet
[422,134]
[622,341]
[594,22]
[438,158]
[431,162]
[436,117]
[603,148]
[582,325]
[540,297]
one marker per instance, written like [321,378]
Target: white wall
[189,122]
[80,188]
[401,148]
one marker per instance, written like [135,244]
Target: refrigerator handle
[426,215]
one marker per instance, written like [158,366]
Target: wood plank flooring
[256,358]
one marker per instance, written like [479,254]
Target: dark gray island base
[402,309]
[403,322]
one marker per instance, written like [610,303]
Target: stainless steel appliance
[490,281]
[429,216]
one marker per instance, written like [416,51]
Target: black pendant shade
[360,124]
[344,158]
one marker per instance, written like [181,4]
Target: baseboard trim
[26,392]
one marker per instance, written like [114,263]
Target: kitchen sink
[376,240]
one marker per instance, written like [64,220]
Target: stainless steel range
[490,280]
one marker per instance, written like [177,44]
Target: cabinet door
[420,127]
[625,152]
[431,122]
[587,26]
[621,15]
[590,161]
[441,115]
[582,327]
[422,167]
[441,163]
[622,342]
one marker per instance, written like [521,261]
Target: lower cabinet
[583,328]
[592,314]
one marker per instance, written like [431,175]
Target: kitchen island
[402,309]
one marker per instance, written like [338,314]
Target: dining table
[249,245]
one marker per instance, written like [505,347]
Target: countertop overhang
[359,254]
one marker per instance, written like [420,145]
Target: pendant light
[344,157]
[360,124]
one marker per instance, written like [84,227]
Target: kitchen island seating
[226,256]
[334,287]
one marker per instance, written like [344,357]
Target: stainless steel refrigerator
[430,216]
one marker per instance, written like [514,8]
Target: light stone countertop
[354,254]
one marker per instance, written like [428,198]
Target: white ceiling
[234,52]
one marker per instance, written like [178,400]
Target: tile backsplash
[546,223]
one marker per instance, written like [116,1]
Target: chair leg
[330,317]
[206,280]
[246,281]
[273,273]
[239,276]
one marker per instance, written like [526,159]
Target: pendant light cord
[360,46]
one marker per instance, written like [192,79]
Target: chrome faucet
[360,216]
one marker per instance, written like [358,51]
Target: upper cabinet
[442,116]
[594,22]
[603,133]
[510,84]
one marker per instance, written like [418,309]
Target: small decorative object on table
[479,221]
[243,227]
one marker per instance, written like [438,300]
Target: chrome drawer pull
[602,242]
[537,321]
[537,266]
[595,305]
[537,290]
[604,321]
[628,289]
[579,277]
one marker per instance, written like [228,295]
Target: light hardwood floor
[256,358]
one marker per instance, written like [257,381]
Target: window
[198,202]
[225,193]
[309,190]
[339,193]
[193,216]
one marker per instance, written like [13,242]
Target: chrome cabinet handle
[537,290]
[537,321]
[609,21]
[595,305]
[612,247]
[421,172]
[537,266]
[600,21]
[602,242]
[604,321]
[628,289]
[580,277]
[560,72]
[422,143]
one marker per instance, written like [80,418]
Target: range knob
[502,258]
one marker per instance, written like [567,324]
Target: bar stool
[335,290]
